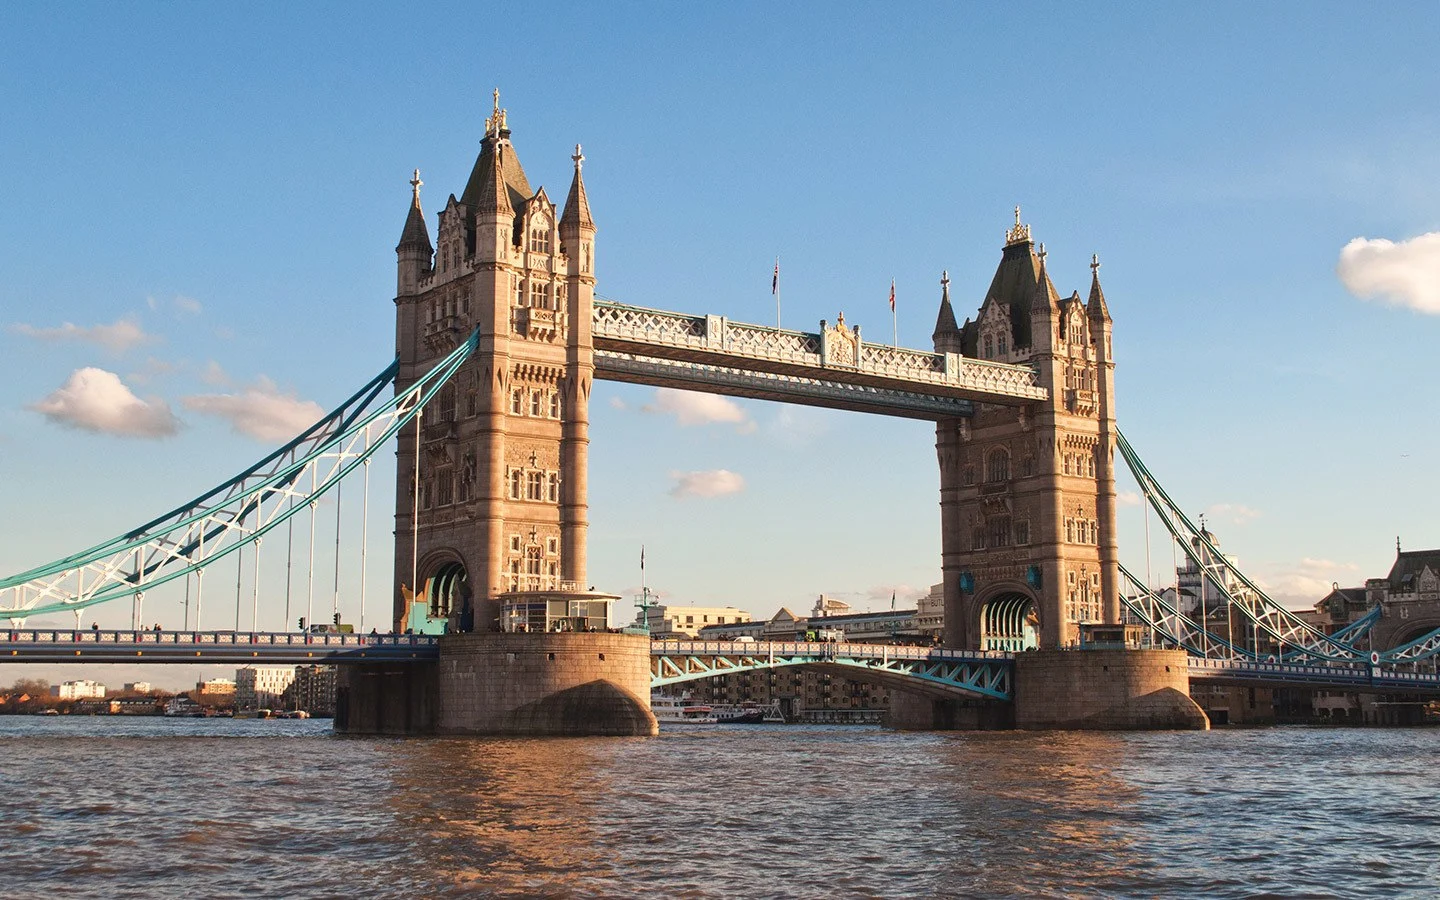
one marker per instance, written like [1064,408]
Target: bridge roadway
[987,675]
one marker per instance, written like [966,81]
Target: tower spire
[1096,304]
[577,206]
[947,333]
[415,235]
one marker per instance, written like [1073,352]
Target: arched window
[554,404]
[532,560]
[997,466]
[989,347]
[517,482]
[1001,345]
[517,402]
[1069,531]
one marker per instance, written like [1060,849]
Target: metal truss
[238,512]
[1300,640]
[759,385]
[984,675]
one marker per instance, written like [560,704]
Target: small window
[535,485]
[1000,344]
[534,403]
[552,545]
[517,402]
[969,474]
[514,543]
[989,347]
[517,480]
[553,491]
[554,404]
[1022,532]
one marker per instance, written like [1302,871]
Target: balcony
[442,335]
[1080,402]
[535,322]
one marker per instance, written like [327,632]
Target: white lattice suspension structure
[238,513]
[834,355]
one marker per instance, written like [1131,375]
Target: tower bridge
[499,339]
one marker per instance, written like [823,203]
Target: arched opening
[1009,622]
[448,591]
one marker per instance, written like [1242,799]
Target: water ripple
[237,809]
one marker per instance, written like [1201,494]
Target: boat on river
[681,710]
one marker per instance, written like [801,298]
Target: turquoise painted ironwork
[215,525]
[977,674]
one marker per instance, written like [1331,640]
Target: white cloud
[188,305]
[117,337]
[690,408]
[712,483]
[1406,273]
[153,370]
[619,403]
[97,400]
[1128,498]
[259,411]
[215,375]
[1234,513]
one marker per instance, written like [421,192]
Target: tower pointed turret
[414,252]
[947,333]
[577,205]
[1095,306]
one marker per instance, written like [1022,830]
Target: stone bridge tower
[496,501]
[1028,492]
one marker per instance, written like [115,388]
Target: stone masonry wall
[1104,690]
[545,684]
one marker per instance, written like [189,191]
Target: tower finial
[1042,254]
[945,283]
[415,183]
[1095,264]
[578,157]
[1019,234]
[496,95]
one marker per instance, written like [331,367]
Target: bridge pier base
[920,712]
[568,684]
[1105,690]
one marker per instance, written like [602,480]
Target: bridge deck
[832,367]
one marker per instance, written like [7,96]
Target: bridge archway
[1009,620]
[448,591]
[1410,631]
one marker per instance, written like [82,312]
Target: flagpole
[894,322]
[775,289]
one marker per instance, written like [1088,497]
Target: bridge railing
[819,648]
[211,638]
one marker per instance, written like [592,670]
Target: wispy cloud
[690,408]
[711,483]
[1128,498]
[1404,273]
[116,337]
[97,400]
[215,375]
[180,303]
[1234,513]
[260,411]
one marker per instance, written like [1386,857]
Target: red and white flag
[892,295]
[775,279]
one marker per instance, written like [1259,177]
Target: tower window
[539,294]
[554,487]
[554,404]
[540,240]
[534,403]
[517,481]
[517,402]
[997,466]
[989,347]
[1000,345]
[535,484]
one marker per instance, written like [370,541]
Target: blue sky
[222,189]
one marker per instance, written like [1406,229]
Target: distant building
[829,606]
[678,623]
[137,687]
[215,687]
[313,690]
[78,690]
[262,687]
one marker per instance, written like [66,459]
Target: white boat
[680,711]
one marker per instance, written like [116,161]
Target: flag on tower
[642,557]
[892,295]
[775,279]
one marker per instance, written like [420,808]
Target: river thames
[112,807]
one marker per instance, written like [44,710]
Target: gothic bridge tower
[495,503]
[1028,492]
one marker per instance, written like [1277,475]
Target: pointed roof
[577,206]
[1096,304]
[415,235]
[491,187]
[945,321]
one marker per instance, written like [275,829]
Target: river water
[111,807]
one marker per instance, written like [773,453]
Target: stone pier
[556,684]
[1105,690]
